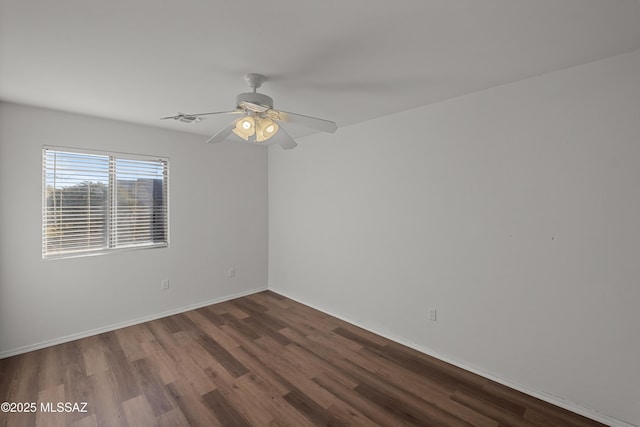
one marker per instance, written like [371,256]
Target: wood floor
[260,360]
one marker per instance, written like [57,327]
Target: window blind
[99,202]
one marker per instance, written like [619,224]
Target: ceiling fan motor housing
[255,98]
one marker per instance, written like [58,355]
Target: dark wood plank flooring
[260,360]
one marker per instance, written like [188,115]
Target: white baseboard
[114,326]
[547,397]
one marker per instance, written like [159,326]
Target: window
[95,202]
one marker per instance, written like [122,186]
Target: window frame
[111,204]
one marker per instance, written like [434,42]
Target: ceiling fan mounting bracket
[254,80]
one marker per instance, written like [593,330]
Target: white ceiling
[343,60]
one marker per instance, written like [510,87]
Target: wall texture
[515,212]
[218,220]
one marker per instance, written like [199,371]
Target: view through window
[96,202]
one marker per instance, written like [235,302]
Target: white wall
[514,211]
[218,219]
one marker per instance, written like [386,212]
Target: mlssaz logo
[63,407]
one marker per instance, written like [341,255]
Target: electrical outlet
[432,314]
[165,284]
[232,272]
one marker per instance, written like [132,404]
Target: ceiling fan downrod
[254,80]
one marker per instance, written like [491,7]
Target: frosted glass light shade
[245,127]
[265,129]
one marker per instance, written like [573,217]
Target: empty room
[287,213]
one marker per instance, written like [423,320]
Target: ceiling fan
[259,121]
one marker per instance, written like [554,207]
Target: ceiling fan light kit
[260,121]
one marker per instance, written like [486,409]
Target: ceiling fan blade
[308,121]
[180,116]
[223,134]
[283,139]
[194,117]
[219,112]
